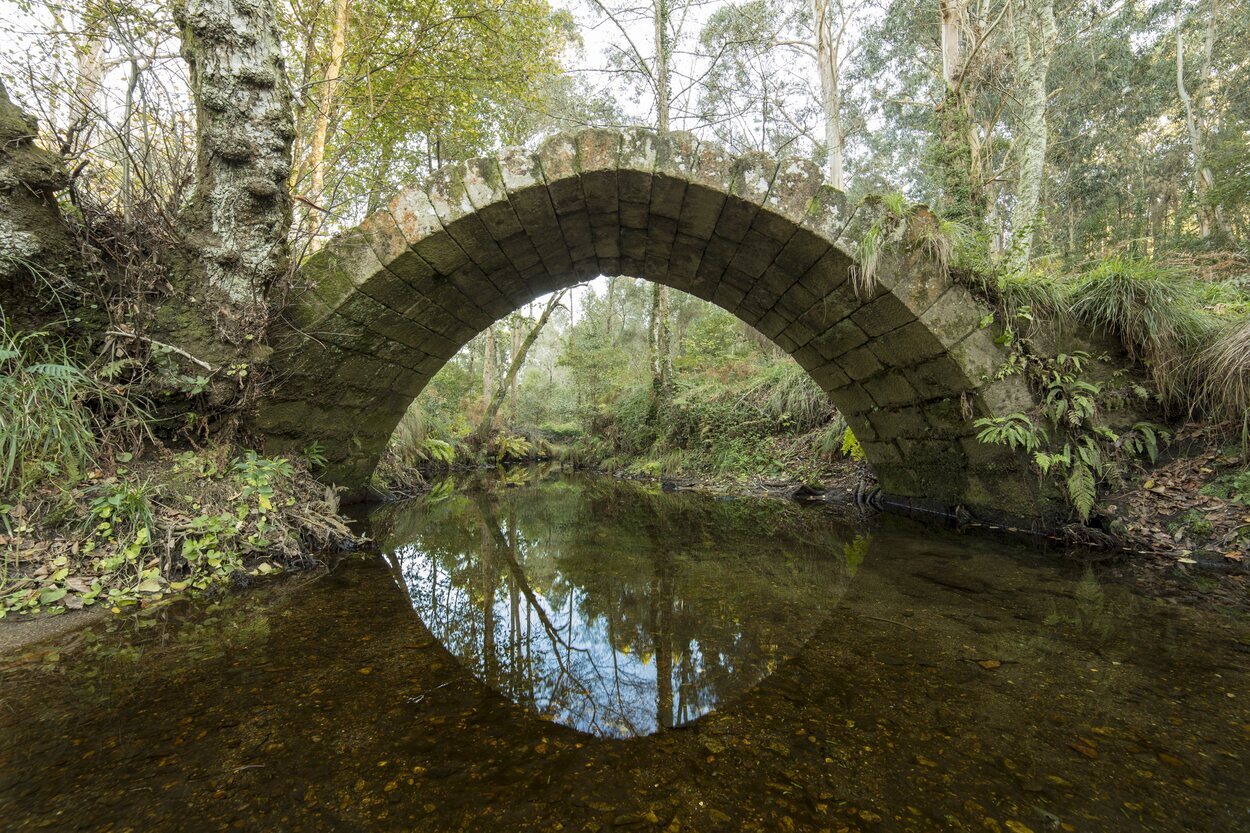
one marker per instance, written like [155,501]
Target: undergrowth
[95,509]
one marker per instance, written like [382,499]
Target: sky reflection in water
[610,608]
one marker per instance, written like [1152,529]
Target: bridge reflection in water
[609,608]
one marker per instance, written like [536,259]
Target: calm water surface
[583,654]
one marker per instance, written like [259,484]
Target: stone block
[828,274]
[808,357]
[859,363]
[798,333]
[1007,396]
[882,315]
[978,356]
[827,213]
[953,316]
[793,188]
[908,345]
[700,211]
[939,377]
[639,149]
[755,253]
[882,455]
[891,423]
[795,301]
[418,220]
[830,377]
[852,399]
[947,417]
[727,297]
[800,253]
[914,278]
[771,325]
[890,388]
[667,195]
[684,260]
[838,339]
[735,218]
[558,157]
[336,272]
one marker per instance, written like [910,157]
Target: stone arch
[382,307]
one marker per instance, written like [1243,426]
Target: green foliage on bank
[95,509]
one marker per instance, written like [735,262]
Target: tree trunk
[1204,180]
[488,367]
[828,45]
[664,359]
[37,251]
[84,100]
[512,381]
[1033,39]
[237,222]
[663,51]
[321,128]
[495,400]
[950,13]
[959,144]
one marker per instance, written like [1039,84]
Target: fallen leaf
[989,664]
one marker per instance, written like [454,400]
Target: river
[551,652]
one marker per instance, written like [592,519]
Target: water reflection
[612,608]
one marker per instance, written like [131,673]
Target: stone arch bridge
[382,307]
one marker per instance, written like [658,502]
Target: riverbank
[152,524]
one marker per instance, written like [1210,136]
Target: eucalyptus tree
[1033,39]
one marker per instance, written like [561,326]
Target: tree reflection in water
[609,607]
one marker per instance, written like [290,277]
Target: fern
[1085,452]
[851,447]
[438,451]
[1082,489]
[1014,430]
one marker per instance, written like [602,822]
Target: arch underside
[381,308]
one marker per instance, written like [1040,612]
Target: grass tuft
[55,415]
[1225,370]
[1154,311]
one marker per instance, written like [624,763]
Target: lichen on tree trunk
[237,222]
[38,255]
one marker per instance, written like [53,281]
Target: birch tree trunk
[237,222]
[828,46]
[1033,37]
